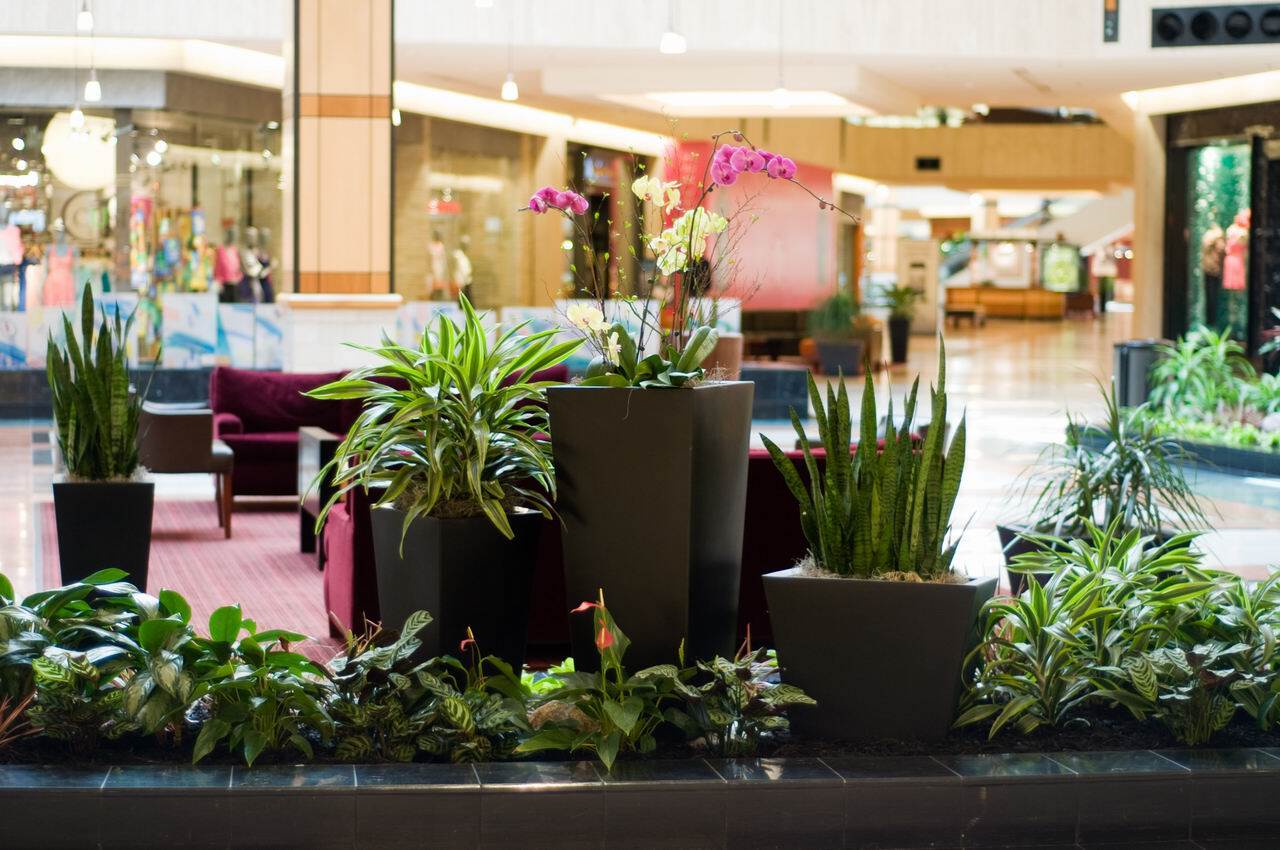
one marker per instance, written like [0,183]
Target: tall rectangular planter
[652,487]
[463,572]
[883,659]
[104,524]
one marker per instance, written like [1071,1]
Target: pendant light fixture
[510,91]
[672,42]
[84,20]
[92,88]
[76,120]
[780,97]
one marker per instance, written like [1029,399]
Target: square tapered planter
[652,485]
[883,659]
[104,524]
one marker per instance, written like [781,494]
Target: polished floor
[1014,381]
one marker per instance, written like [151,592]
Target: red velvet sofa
[258,415]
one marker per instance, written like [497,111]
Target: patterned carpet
[260,566]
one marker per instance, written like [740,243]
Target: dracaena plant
[94,407]
[694,246]
[450,428]
[869,512]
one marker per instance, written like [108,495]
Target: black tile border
[1167,796]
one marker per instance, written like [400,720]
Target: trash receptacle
[1133,361]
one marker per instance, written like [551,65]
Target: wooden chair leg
[228,505]
[217,496]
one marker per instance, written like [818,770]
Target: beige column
[544,234]
[337,147]
[1148,224]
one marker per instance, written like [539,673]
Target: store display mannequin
[437,268]
[11,256]
[1213,249]
[462,269]
[1233,267]
[227,270]
[266,289]
[247,289]
[59,278]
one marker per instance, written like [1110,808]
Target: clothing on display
[227,271]
[1233,267]
[60,282]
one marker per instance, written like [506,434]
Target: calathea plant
[450,428]
[94,408]
[695,245]
[876,513]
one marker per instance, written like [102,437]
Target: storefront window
[455,219]
[1218,218]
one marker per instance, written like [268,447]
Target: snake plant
[870,512]
[95,409]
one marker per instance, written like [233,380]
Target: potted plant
[650,453]
[451,437]
[841,345]
[876,608]
[1123,469]
[102,505]
[902,301]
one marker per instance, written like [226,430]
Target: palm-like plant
[1200,373]
[874,512]
[452,427]
[94,408]
[1124,468]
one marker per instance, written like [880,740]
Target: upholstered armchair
[178,439]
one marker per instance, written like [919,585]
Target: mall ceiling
[882,56]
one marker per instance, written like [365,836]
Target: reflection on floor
[1014,381]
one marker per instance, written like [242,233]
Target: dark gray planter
[883,659]
[104,524]
[652,486]
[899,338]
[842,356]
[464,573]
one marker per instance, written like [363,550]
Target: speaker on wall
[1190,26]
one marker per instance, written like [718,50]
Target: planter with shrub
[902,301]
[842,347]
[877,601]
[452,442]
[102,505]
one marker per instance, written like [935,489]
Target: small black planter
[464,573]
[104,524]
[842,356]
[883,659]
[652,485]
[899,337]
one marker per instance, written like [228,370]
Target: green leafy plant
[386,705]
[1125,468]
[261,697]
[1264,396]
[94,408]
[608,712]
[672,367]
[14,724]
[1188,690]
[902,301]
[77,699]
[450,428]
[834,317]
[871,513]
[1202,371]
[731,705]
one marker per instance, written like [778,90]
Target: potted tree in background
[902,301]
[450,440]
[1122,470]
[876,608]
[841,344]
[103,507]
[650,454]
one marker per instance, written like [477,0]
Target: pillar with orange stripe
[337,147]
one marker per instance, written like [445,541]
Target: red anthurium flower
[585,606]
[604,640]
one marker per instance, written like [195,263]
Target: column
[336,246]
[1149,162]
